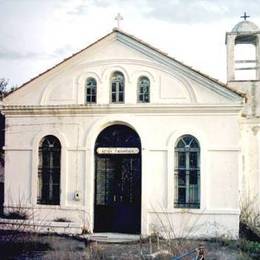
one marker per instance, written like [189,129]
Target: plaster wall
[218,135]
[182,101]
[65,84]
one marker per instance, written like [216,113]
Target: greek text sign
[117,150]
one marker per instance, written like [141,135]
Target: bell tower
[243,75]
[243,63]
[243,51]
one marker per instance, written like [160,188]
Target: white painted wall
[181,103]
[158,133]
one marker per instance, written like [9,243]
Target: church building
[122,138]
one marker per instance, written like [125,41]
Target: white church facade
[122,138]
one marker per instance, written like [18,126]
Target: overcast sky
[37,34]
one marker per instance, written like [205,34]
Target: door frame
[95,172]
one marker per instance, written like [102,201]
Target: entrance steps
[113,238]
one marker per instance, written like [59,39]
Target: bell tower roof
[245,26]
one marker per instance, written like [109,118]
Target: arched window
[144,90]
[49,171]
[187,173]
[91,90]
[117,87]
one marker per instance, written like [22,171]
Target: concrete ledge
[113,238]
[40,226]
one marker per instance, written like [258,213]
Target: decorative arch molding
[90,140]
[35,160]
[105,74]
[185,83]
[101,124]
[174,136]
[46,93]
[81,78]
[36,140]
[139,73]
[171,143]
[108,71]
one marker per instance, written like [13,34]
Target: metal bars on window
[187,173]
[91,90]
[143,90]
[49,171]
[117,87]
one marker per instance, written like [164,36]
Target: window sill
[225,211]
[42,206]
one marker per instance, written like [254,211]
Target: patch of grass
[24,244]
[250,247]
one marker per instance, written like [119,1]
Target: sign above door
[117,150]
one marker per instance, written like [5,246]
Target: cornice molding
[148,109]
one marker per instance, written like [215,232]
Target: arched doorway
[117,181]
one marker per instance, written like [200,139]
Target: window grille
[91,90]
[144,90]
[118,87]
[49,171]
[187,173]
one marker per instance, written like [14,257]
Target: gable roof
[145,44]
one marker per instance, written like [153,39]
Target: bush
[16,214]
[250,247]
[249,227]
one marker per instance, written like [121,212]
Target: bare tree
[3,86]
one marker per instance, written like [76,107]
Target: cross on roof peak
[245,16]
[119,18]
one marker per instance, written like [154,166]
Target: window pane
[193,177]
[182,160]
[182,195]
[113,87]
[146,99]
[182,178]
[187,140]
[121,97]
[121,87]
[187,161]
[194,144]
[114,97]
[143,86]
[181,144]
[91,86]
[117,87]
[193,160]
[49,171]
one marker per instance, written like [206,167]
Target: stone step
[113,238]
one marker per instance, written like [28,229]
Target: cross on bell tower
[119,18]
[244,16]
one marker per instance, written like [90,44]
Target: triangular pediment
[172,82]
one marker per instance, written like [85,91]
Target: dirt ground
[33,246]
